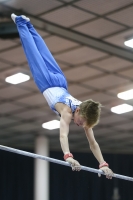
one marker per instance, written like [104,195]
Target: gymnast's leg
[44,51]
[47,56]
[37,65]
[45,74]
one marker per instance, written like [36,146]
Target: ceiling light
[126,95]
[123,108]
[54,124]
[129,43]
[17,78]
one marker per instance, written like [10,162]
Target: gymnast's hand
[74,164]
[108,172]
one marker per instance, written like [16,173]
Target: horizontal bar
[33,155]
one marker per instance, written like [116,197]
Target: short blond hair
[90,110]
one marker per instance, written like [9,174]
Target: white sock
[26,18]
[13,16]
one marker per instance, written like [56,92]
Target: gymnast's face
[78,119]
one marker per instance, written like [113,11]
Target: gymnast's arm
[97,152]
[64,131]
[94,145]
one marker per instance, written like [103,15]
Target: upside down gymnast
[53,85]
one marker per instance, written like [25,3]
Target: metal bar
[25,153]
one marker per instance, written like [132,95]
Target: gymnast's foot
[13,16]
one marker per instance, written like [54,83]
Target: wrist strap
[104,164]
[68,155]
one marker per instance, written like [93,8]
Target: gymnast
[52,83]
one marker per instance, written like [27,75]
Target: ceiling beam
[74,36]
[81,38]
[8,28]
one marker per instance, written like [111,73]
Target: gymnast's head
[87,114]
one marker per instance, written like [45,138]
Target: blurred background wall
[17,178]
